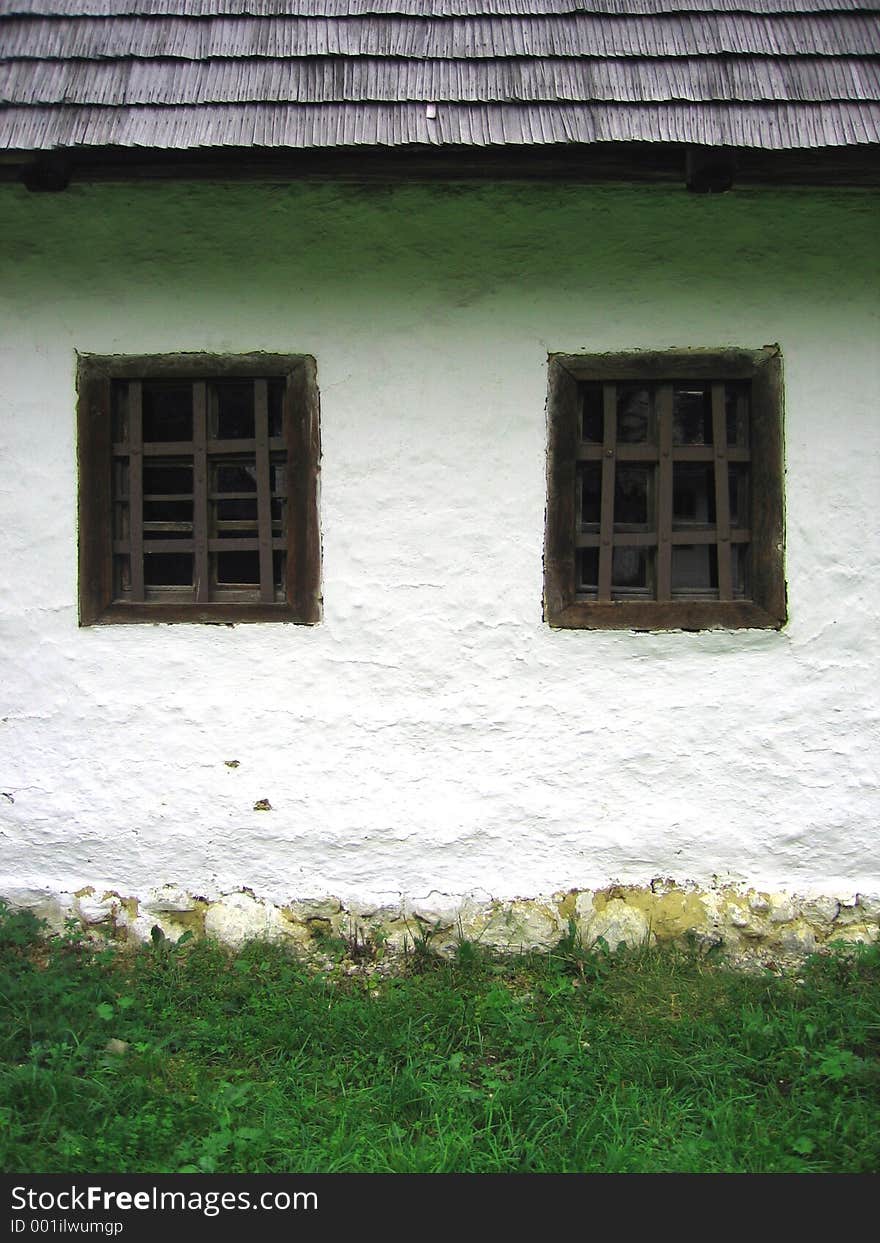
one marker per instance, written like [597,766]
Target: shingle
[418,8]
[190,73]
[773,126]
[835,34]
[125,82]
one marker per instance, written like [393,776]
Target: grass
[188,1058]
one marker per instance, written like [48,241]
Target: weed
[360,944]
[420,954]
[468,955]
[19,929]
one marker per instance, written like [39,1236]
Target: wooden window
[198,482]
[664,506]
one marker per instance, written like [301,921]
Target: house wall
[432,739]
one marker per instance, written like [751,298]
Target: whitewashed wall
[432,733]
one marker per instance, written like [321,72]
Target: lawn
[191,1059]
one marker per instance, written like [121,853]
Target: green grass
[568,1061]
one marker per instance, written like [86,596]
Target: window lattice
[661,506]
[199,490]
[665,490]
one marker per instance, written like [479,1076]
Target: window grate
[198,489]
[646,487]
[186,543]
[664,503]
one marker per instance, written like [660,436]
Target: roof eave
[636,162]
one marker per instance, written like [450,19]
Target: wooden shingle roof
[197,75]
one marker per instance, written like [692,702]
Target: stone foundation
[746,926]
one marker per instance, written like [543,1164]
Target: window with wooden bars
[198,479]
[665,506]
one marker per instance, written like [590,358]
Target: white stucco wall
[432,733]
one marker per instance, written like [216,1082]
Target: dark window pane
[736,413]
[238,568]
[630,567]
[167,411]
[694,567]
[588,569]
[168,569]
[163,479]
[236,477]
[692,415]
[241,510]
[234,409]
[168,511]
[739,568]
[279,478]
[634,414]
[739,496]
[592,417]
[278,512]
[631,495]
[590,482]
[279,567]
[693,494]
[276,407]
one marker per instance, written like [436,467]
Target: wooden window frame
[567,608]
[95,454]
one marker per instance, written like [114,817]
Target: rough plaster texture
[432,736]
